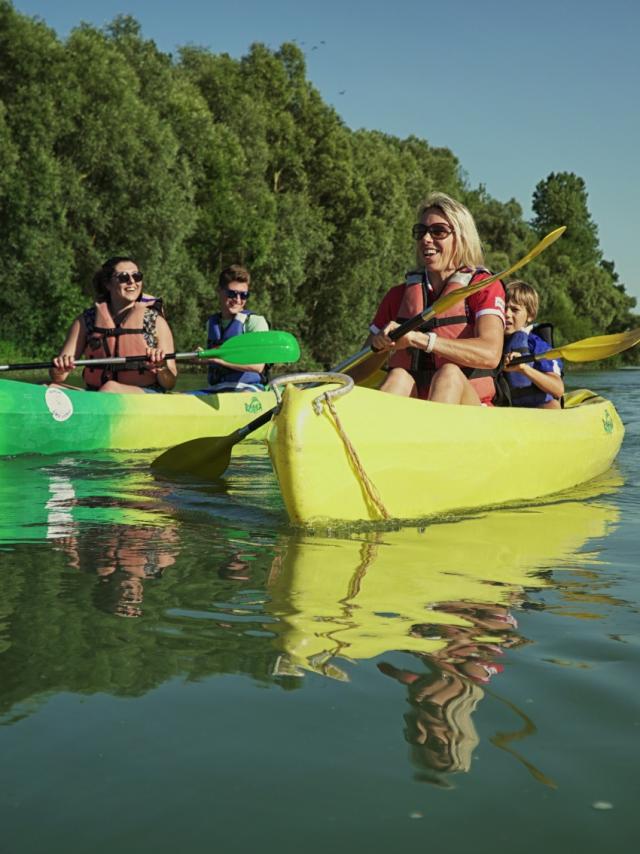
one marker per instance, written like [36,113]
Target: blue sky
[516,90]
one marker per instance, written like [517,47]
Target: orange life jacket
[130,337]
[452,323]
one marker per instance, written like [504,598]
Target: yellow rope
[369,487]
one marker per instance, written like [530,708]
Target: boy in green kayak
[233,318]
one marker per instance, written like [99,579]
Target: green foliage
[562,200]
[109,146]
[580,291]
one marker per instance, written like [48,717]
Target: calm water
[179,669]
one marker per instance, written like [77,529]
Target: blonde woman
[452,358]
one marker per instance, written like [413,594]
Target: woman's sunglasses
[126,277]
[243,295]
[437,231]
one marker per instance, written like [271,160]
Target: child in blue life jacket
[536,384]
[232,318]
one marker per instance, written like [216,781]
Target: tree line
[192,162]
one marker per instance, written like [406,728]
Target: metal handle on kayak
[344,382]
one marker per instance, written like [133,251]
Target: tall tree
[561,199]
[582,289]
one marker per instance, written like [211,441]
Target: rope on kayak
[345,384]
[369,486]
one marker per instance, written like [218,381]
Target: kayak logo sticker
[607,422]
[58,403]
[253,406]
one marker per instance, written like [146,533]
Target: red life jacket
[452,323]
[130,337]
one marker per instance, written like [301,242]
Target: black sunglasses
[439,231]
[126,277]
[243,295]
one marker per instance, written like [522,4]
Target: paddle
[249,349]
[210,455]
[588,349]
[440,305]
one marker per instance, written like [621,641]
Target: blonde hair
[525,296]
[468,249]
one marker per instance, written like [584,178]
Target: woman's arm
[482,351]
[166,374]
[73,347]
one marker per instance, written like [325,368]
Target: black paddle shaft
[113,360]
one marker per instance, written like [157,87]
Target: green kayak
[40,419]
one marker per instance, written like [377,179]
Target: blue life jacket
[523,391]
[215,336]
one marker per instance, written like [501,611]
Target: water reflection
[124,560]
[447,595]
[435,610]
[97,514]
[52,500]
[85,541]
[444,688]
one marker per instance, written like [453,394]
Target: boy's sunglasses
[243,295]
[126,277]
[437,231]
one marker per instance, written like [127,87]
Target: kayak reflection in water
[440,726]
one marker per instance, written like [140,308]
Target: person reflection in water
[235,568]
[130,559]
[440,725]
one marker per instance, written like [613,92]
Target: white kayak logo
[59,404]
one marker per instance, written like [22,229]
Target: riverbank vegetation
[195,161]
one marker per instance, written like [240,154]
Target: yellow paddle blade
[596,348]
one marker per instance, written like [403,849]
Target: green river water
[181,670]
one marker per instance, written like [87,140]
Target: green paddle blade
[270,347]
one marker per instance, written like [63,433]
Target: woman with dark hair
[122,322]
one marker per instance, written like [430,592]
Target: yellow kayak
[348,454]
